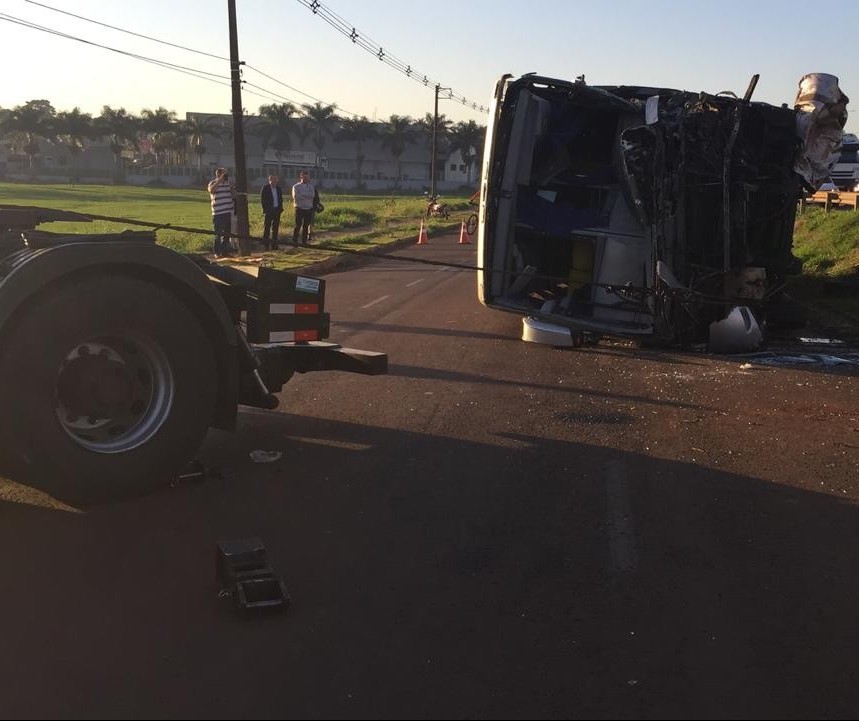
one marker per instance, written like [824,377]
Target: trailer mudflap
[285,307]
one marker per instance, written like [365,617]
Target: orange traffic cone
[422,236]
[463,236]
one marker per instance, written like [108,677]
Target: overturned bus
[647,213]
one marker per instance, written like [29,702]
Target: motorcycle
[437,209]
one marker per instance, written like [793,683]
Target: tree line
[172,141]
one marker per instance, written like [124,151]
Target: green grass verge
[828,245]
[380,218]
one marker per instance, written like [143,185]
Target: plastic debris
[800,359]
[822,341]
[265,456]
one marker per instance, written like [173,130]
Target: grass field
[828,243]
[375,219]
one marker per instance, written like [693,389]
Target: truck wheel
[108,387]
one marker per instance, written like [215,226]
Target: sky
[291,54]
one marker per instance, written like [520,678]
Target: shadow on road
[463,580]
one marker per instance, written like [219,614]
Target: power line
[264,93]
[129,32]
[268,94]
[199,52]
[348,30]
[339,23]
[201,74]
[307,95]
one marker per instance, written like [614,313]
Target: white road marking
[414,282]
[374,302]
[621,534]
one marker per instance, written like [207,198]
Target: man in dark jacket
[271,199]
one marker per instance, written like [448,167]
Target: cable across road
[316,246]
[628,292]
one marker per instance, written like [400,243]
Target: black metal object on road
[244,574]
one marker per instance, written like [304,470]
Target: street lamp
[434,138]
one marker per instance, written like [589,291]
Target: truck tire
[108,387]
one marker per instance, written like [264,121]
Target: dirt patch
[346,261]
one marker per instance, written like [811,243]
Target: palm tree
[468,138]
[73,128]
[175,144]
[121,129]
[197,128]
[357,130]
[33,120]
[275,126]
[320,123]
[399,130]
[158,124]
[13,140]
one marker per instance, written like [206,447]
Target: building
[338,165]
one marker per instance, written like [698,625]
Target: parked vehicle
[648,213]
[117,354]
[437,209]
[845,172]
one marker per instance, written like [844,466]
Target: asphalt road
[492,530]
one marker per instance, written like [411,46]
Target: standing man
[221,193]
[303,194]
[271,198]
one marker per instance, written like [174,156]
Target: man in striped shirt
[222,194]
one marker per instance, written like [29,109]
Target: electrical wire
[625,292]
[363,41]
[264,92]
[280,82]
[123,30]
[194,72]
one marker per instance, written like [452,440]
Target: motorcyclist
[435,207]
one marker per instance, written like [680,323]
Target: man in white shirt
[303,194]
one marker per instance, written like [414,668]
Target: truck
[117,354]
[845,173]
[648,213]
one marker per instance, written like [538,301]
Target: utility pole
[243,229]
[435,139]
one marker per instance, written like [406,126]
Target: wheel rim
[114,393]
